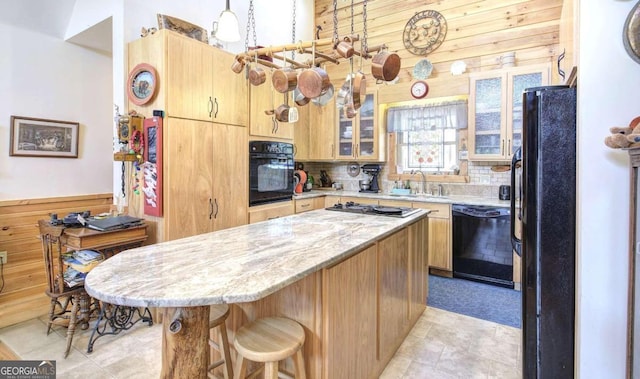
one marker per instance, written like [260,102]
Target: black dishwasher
[481,244]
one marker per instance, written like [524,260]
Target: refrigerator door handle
[516,242]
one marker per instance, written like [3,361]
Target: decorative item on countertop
[624,137]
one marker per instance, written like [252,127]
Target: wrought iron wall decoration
[424,32]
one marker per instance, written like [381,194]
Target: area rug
[479,300]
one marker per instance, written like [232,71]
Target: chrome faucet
[440,190]
[424,179]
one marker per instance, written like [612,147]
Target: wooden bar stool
[269,340]
[218,314]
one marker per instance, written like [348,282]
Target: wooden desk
[109,243]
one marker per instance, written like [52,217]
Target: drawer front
[304,205]
[438,210]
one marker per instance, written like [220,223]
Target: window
[427,135]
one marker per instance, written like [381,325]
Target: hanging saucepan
[359,90]
[282,112]
[385,65]
[313,82]
[299,98]
[345,48]
[237,66]
[343,91]
[284,79]
[257,75]
[348,108]
[325,98]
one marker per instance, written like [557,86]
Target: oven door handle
[516,242]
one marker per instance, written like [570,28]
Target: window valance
[444,115]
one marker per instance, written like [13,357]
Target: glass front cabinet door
[495,110]
[358,136]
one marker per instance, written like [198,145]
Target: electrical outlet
[3,257]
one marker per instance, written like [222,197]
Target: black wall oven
[270,172]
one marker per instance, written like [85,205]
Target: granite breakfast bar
[356,283]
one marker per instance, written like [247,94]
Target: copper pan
[385,66]
[313,82]
[284,79]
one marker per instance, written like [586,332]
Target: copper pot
[284,79]
[257,76]
[282,113]
[385,66]
[299,98]
[359,90]
[345,49]
[237,66]
[313,82]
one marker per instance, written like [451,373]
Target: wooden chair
[269,340]
[217,326]
[66,302]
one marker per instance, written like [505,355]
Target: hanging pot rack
[303,47]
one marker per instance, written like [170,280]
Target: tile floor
[441,345]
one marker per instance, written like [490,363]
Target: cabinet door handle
[305,205]
[210,106]
[210,208]
[502,147]
[509,147]
[357,150]
[215,115]
[332,152]
[217,208]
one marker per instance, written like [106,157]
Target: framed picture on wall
[37,137]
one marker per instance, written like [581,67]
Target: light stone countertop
[449,199]
[240,264]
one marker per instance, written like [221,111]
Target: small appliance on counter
[300,181]
[373,170]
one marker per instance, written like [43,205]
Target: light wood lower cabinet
[440,237]
[393,279]
[350,329]
[357,312]
[270,211]
[309,204]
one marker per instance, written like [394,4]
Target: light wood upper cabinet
[200,84]
[264,98]
[358,137]
[495,110]
[322,131]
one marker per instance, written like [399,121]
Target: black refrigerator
[543,201]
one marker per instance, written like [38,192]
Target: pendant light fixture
[226,28]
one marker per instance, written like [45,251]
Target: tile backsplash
[482,180]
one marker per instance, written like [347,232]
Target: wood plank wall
[479,32]
[22,297]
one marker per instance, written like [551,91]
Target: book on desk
[113,223]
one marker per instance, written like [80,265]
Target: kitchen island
[356,283]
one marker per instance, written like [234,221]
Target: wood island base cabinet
[357,312]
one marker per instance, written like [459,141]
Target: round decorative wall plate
[353,169]
[631,33]
[142,84]
[424,32]
[422,69]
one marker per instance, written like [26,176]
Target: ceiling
[52,18]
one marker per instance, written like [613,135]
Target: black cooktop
[379,210]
